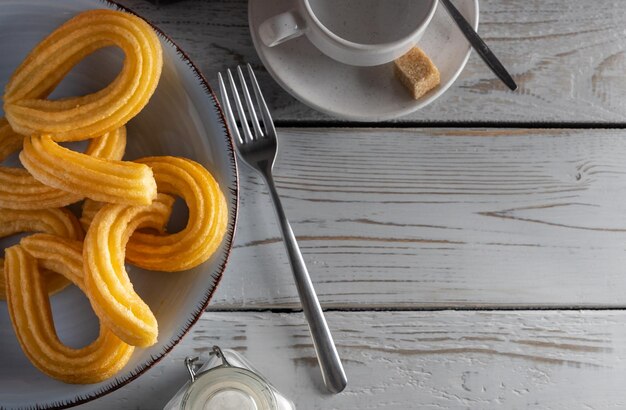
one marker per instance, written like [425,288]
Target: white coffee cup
[355,32]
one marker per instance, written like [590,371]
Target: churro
[31,316]
[88,116]
[89,210]
[158,223]
[20,190]
[208,218]
[56,221]
[100,179]
[109,288]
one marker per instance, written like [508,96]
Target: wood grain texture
[437,218]
[407,360]
[567,58]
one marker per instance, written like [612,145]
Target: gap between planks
[448,124]
[365,309]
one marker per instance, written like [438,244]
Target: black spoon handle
[479,45]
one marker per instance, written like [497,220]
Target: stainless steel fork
[257,148]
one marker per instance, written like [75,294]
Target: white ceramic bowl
[183,118]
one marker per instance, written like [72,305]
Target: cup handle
[281,28]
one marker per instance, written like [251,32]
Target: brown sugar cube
[417,72]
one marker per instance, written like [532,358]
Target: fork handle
[330,364]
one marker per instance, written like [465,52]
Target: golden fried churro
[208,218]
[110,145]
[56,221]
[108,286]
[88,116]
[10,141]
[31,316]
[91,208]
[20,190]
[104,180]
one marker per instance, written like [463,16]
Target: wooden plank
[438,217]
[401,360]
[567,58]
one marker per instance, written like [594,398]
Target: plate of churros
[118,199]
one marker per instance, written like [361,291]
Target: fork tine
[242,114]
[228,110]
[265,112]
[258,133]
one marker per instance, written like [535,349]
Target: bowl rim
[117,382]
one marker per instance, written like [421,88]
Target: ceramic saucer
[359,93]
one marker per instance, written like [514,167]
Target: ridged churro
[56,221]
[31,316]
[88,116]
[208,218]
[104,180]
[110,290]
[20,190]
[158,224]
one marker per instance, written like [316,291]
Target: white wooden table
[471,255]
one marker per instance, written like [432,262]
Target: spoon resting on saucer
[479,45]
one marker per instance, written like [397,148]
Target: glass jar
[226,381]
